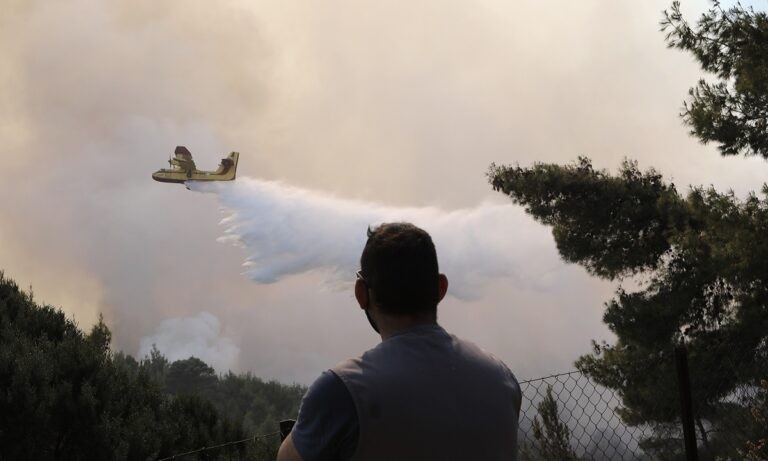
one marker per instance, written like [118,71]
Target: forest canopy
[64,394]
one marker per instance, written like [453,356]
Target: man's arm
[326,427]
[288,451]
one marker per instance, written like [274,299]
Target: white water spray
[289,230]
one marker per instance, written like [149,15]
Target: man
[421,394]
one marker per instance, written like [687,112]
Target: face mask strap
[359,275]
[370,320]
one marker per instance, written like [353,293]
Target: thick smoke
[399,102]
[194,336]
[288,230]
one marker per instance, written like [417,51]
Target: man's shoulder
[327,424]
[327,391]
[472,351]
[327,383]
[442,344]
[489,368]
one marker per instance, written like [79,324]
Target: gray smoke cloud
[198,336]
[390,108]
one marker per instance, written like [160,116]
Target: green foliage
[256,404]
[552,438]
[190,376]
[613,226]
[757,448]
[701,260]
[65,395]
[732,44]
[260,405]
[702,263]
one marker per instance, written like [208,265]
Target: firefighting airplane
[183,169]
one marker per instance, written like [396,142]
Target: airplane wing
[184,158]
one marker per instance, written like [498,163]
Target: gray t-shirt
[421,394]
[326,428]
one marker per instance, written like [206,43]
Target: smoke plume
[194,336]
[403,102]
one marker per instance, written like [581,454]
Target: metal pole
[686,406]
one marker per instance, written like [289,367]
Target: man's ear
[361,294]
[442,282]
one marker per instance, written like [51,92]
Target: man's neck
[389,324]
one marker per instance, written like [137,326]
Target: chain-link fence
[716,394]
[570,416]
[261,447]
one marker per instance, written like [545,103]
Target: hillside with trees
[64,394]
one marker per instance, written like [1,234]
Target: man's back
[424,394]
[421,394]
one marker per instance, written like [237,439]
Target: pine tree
[552,436]
[700,258]
[731,44]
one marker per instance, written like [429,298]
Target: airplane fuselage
[226,172]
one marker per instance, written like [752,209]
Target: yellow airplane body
[183,169]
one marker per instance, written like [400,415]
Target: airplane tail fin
[228,167]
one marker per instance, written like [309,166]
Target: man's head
[399,271]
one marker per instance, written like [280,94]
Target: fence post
[686,406]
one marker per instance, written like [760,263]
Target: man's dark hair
[399,265]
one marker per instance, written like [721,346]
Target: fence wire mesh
[257,448]
[570,416]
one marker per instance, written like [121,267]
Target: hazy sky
[386,104]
